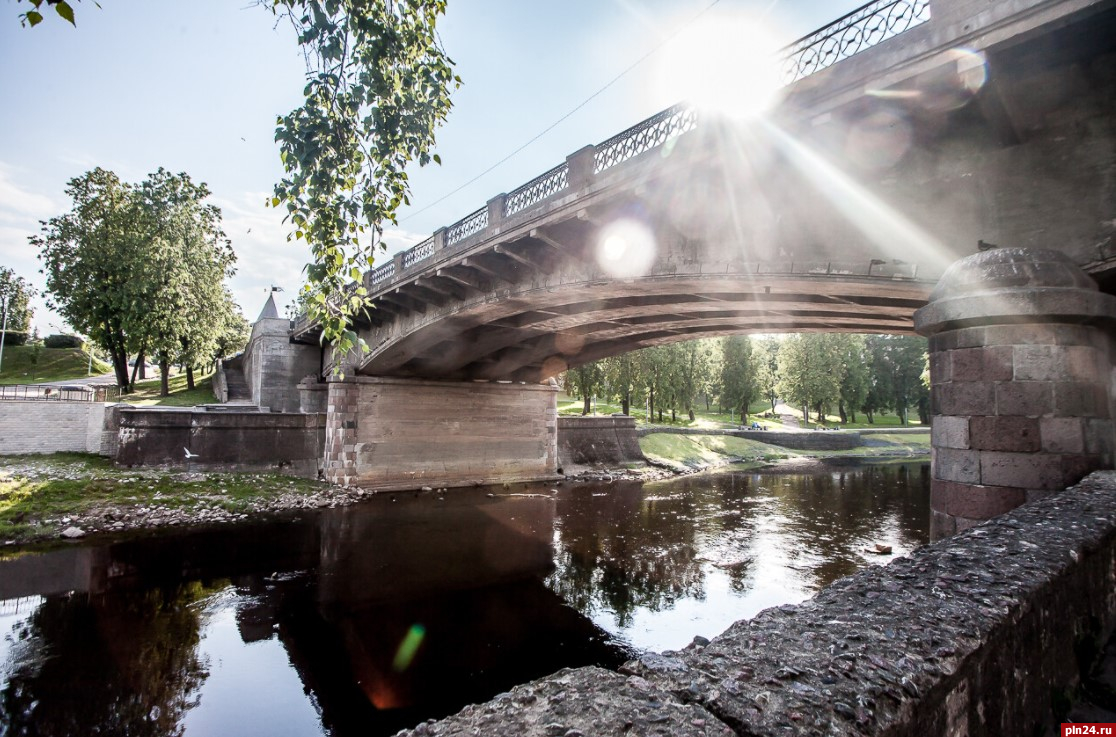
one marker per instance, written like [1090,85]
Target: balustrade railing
[864,27]
[861,29]
[642,137]
[538,189]
[467,226]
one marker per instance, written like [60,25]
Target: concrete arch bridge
[911,134]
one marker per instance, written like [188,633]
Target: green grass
[881,420]
[54,364]
[706,419]
[147,392]
[36,488]
[694,451]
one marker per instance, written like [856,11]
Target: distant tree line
[141,270]
[819,373]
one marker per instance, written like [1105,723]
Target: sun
[728,66]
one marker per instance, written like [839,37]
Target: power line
[667,39]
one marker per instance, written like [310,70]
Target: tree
[621,379]
[739,380]
[767,370]
[584,382]
[810,372]
[16,293]
[855,382]
[139,269]
[379,85]
[87,256]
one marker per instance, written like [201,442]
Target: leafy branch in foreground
[32,18]
[378,85]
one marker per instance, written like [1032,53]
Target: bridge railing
[851,34]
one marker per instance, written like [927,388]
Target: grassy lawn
[147,392]
[54,364]
[35,488]
[706,419]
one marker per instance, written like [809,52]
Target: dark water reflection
[372,618]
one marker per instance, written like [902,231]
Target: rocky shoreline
[211,507]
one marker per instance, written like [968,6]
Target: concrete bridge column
[391,433]
[1021,371]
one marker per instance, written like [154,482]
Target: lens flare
[725,66]
[626,249]
[412,641]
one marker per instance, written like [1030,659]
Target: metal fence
[51,393]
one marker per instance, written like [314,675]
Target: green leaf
[33,18]
[437,159]
[63,9]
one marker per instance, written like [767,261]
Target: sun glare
[626,248]
[725,66]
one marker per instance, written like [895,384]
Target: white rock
[73,532]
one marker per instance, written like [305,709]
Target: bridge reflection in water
[366,620]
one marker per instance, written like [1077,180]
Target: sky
[196,86]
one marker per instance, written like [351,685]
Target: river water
[371,618]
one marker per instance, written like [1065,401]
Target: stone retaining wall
[54,426]
[983,633]
[222,441]
[817,440]
[597,440]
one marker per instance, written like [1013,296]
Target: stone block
[1042,335]
[1017,434]
[1024,398]
[963,466]
[942,525]
[1099,436]
[941,367]
[970,398]
[1080,399]
[993,363]
[950,432]
[1063,434]
[974,501]
[1022,470]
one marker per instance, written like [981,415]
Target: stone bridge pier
[1022,378]
[393,433]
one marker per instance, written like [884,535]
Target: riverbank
[47,498]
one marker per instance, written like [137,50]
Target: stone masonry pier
[984,633]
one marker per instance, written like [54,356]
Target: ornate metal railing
[861,29]
[864,27]
[538,189]
[467,226]
[641,137]
[420,252]
[383,273]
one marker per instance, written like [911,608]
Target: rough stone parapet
[979,634]
[1020,371]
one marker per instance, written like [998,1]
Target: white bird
[190,455]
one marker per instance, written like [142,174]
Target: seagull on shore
[190,455]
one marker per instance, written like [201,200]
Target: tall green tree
[739,379]
[856,377]
[139,269]
[767,369]
[88,257]
[810,372]
[585,382]
[621,376]
[16,294]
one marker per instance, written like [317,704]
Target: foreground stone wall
[50,426]
[980,634]
[222,441]
[403,433]
[597,440]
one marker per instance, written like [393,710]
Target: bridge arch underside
[538,330]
